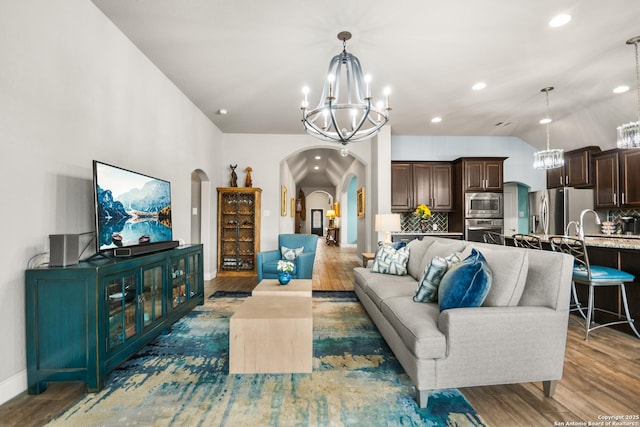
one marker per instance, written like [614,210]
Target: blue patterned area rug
[181,379]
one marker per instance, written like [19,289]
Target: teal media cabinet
[83,321]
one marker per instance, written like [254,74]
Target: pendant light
[549,158]
[629,133]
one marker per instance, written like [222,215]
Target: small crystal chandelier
[548,159]
[345,116]
[629,133]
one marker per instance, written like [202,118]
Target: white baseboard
[13,386]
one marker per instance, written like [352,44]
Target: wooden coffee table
[295,288]
[271,334]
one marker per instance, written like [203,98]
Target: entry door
[316,222]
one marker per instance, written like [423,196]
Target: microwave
[483,205]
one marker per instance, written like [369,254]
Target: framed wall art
[283,201]
[360,203]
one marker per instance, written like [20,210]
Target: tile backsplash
[615,214]
[410,222]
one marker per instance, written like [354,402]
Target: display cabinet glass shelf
[84,320]
[238,230]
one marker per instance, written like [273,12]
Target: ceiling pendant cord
[635,42]
[546,93]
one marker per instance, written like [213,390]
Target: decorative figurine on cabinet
[234,176]
[247,182]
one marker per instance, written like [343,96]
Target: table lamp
[388,223]
[331,214]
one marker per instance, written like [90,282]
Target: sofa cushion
[509,267]
[379,289]
[391,261]
[465,284]
[417,249]
[428,287]
[417,326]
[441,248]
[289,253]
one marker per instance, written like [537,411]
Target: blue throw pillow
[466,284]
[428,287]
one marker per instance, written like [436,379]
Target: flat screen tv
[131,209]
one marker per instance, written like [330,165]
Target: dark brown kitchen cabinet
[483,174]
[414,183]
[617,179]
[577,170]
[401,187]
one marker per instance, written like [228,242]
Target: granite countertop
[614,241]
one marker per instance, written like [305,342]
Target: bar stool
[593,276]
[493,238]
[528,241]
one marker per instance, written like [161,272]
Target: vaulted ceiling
[252,58]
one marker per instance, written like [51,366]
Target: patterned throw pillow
[466,284]
[391,261]
[428,287]
[290,254]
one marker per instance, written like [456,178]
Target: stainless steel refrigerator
[556,207]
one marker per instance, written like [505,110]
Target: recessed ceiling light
[479,86]
[317,157]
[560,20]
[621,89]
[545,121]
[222,111]
[316,167]
[436,120]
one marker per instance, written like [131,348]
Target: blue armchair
[267,261]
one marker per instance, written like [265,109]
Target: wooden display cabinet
[238,230]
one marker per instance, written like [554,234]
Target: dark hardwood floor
[601,376]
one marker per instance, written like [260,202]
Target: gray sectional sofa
[517,335]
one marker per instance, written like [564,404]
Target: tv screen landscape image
[131,208]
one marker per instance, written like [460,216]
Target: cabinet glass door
[152,295]
[178,282]
[122,299]
[193,275]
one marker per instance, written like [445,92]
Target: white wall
[75,89]
[517,168]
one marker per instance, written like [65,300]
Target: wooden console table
[333,236]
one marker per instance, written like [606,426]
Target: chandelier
[549,158]
[345,112]
[629,133]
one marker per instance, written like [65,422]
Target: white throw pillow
[290,254]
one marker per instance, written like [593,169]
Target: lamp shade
[331,213]
[388,222]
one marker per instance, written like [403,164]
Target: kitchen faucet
[569,224]
[581,223]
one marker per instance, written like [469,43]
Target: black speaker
[63,249]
